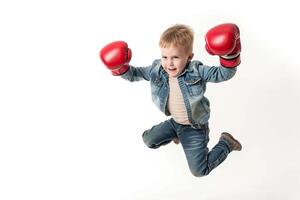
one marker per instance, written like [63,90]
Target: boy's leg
[201,161]
[160,134]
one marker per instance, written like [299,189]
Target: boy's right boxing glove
[116,57]
[224,40]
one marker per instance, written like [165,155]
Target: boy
[178,85]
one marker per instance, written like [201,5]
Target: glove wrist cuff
[120,71]
[230,61]
[230,57]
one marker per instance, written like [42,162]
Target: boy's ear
[191,56]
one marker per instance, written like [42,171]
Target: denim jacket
[192,82]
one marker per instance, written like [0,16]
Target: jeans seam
[215,163]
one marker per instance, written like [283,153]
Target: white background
[70,130]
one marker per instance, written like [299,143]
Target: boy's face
[174,59]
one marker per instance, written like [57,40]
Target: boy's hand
[116,57]
[224,40]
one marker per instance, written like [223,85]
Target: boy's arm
[216,74]
[138,73]
[222,40]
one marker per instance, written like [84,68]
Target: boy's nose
[170,62]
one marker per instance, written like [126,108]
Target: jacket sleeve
[139,73]
[216,74]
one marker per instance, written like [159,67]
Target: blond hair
[179,35]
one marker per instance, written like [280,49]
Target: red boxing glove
[116,57]
[224,40]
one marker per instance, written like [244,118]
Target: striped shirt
[176,104]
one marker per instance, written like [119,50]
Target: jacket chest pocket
[194,86]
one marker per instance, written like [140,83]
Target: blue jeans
[201,161]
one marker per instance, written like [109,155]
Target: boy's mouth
[171,69]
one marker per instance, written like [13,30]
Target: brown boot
[233,143]
[176,140]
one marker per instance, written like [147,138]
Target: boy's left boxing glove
[224,40]
[116,57]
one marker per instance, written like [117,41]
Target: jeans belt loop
[200,126]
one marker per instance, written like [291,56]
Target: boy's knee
[147,141]
[200,172]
